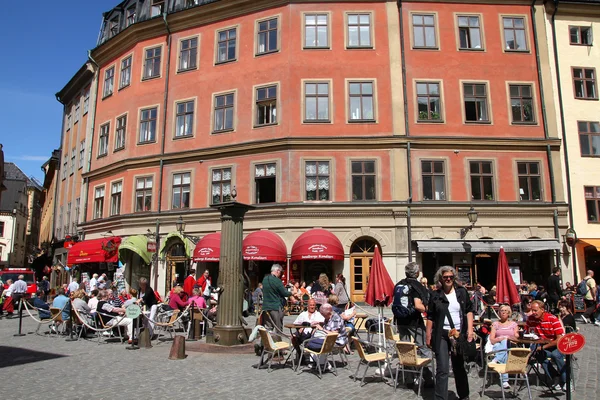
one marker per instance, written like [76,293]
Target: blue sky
[43,44]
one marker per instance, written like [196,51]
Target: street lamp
[472,215]
[180,225]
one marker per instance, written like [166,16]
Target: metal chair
[516,364]
[43,320]
[326,350]
[272,347]
[168,326]
[105,327]
[408,358]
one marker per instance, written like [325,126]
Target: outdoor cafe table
[534,344]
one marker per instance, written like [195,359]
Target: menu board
[464,274]
[515,272]
[578,303]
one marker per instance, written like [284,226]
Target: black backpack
[403,306]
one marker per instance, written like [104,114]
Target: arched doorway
[361,258]
[177,264]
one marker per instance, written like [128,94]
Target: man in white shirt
[309,317]
[20,287]
[93,283]
[73,286]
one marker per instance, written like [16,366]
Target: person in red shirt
[204,283]
[549,327]
[189,282]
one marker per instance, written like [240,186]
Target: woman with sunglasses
[450,313]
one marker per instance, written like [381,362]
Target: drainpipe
[403,58]
[557,235]
[91,124]
[408,208]
[564,133]
[542,102]
[162,148]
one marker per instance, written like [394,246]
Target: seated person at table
[503,330]
[196,299]
[62,302]
[566,317]
[175,300]
[132,294]
[93,300]
[348,317]
[79,303]
[332,323]
[111,315]
[549,327]
[309,317]
[42,307]
[525,308]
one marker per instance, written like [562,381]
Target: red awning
[264,246]
[317,244]
[208,249]
[94,251]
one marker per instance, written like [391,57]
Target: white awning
[485,246]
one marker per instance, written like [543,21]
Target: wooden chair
[368,359]
[168,326]
[43,320]
[326,350]
[272,347]
[198,316]
[516,364]
[408,358]
[56,316]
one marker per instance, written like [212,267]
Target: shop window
[265,179]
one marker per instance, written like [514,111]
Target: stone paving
[35,366]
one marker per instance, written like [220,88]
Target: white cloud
[30,158]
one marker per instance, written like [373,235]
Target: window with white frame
[98,202]
[221,185]
[103,140]
[316,174]
[184,119]
[148,125]
[109,80]
[115,198]
[120,132]
[181,190]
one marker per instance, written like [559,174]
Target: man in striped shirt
[549,327]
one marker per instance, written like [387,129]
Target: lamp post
[229,330]
[472,215]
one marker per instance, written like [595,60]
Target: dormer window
[158,7]
[114,26]
[130,16]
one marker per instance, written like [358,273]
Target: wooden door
[361,259]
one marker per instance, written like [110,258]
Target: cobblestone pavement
[32,366]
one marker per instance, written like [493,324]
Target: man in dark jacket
[554,289]
[412,327]
[450,312]
[274,297]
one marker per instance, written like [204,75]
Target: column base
[230,335]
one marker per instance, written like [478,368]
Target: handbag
[461,346]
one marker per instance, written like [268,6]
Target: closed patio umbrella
[380,289]
[506,289]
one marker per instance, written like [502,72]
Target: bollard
[20,317]
[144,339]
[178,348]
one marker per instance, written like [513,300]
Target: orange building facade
[381,122]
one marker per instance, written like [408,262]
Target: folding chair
[272,347]
[168,326]
[340,348]
[408,358]
[102,325]
[326,350]
[516,364]
[368,359]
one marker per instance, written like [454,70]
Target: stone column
[229,330]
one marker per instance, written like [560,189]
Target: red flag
[380,290]
[506,289]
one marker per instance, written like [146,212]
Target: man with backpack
[587,288]
[410,300]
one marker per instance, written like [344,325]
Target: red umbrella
[506,289]
[380,290]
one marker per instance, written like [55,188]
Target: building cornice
[327,143]
[574,8]
[189,18]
